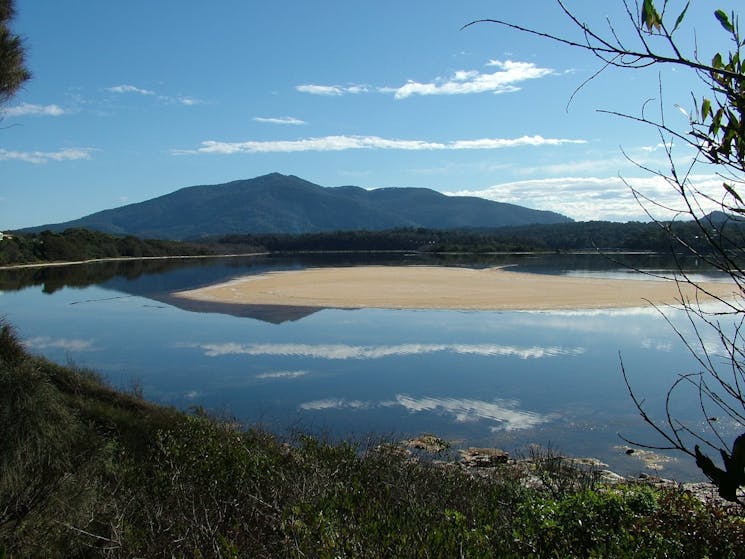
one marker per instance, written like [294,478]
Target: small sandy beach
[434,287]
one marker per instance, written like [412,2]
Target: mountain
[278,203]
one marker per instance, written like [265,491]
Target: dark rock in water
[483,457]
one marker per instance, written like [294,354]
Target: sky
[133,100]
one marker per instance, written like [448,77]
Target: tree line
[82,244]
[591,235]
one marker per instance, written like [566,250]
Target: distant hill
[278,203]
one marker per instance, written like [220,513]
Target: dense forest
[591,235]
[82,244]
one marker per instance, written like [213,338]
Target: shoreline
[448,288]
[124,258]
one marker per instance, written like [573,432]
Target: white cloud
[279,120]
[70,154]
[45,342]
[342,143]
[125,88]
[189,101]
[28,109]
[332,90]
[509,73]
[464,82]
[343,351]
[598,198]
[183,100]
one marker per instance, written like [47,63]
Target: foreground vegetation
[87,471]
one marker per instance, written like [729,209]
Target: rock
[483,457]
[608,476]
[428,443]
[586,462]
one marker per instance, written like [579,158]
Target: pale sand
[433,287]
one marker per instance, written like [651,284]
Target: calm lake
[499,379]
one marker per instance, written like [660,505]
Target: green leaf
[716,62]
[681,17]
[650,18]
[705,109]
[724,20]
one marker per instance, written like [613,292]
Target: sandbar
[438,287]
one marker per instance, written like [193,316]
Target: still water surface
[503,379]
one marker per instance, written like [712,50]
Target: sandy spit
[436,287]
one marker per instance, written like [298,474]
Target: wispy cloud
[45,342]
[342,143]
[189,101]
[332,90]
[29,109]
[279,120]
[597,198]
[343,351]
[126,88]
[184,100]
[464,82]
[70,154]
[504,79]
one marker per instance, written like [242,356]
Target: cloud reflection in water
[282,374]
[504,414]
[343,351]
[45,342]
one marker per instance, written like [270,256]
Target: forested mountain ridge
[278,203]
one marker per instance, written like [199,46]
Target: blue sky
[132,100]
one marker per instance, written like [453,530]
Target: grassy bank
[87,471]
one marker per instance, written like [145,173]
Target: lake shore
[123,259]
[437,287]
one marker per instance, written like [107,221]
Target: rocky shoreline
[544,467]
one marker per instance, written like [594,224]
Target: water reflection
[504,414]
[41,343]
[341,351]
[503,379]
[157,279]
[282,375]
